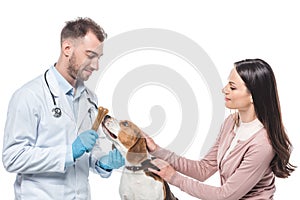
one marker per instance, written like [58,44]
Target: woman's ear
[251,100]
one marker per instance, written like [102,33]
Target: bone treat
[101,113]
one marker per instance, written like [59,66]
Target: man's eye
[91,56]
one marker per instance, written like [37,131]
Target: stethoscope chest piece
[56,112]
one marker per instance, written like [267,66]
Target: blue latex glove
[84,143]
[113,160]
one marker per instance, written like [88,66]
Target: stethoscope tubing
[56,110]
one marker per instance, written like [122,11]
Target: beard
[73,67]
[79,72]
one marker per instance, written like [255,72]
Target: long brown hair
[260,81]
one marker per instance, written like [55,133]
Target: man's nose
[95,64]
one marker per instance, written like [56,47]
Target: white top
[243,132]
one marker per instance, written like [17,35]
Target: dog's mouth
[109,126]
[107,131]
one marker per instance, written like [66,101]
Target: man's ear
[138,152]
[67,48]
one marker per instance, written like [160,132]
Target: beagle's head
[127,138]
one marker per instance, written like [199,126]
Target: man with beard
[48,138]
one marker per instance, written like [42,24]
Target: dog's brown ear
[138,152]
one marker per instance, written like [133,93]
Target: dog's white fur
[127,138]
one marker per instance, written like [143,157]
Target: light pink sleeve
[251,170]
[200,170]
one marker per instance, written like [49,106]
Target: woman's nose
[225,90]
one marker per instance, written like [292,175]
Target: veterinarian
[47,138]
[252,147]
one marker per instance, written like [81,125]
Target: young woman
[252,147]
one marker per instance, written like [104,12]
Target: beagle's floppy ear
[137,152]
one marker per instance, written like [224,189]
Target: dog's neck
[148,157]
[124,152]
[143,166]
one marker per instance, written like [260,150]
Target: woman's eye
[232,88]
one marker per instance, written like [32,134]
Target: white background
[227,30]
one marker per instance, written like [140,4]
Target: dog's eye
[125,123]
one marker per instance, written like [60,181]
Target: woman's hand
[166,170]
[151,145]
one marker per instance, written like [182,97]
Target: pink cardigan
[245,173]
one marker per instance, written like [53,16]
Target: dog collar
[135,168]
[144,166]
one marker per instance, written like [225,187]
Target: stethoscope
[56,110]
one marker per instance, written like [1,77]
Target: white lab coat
[36,144]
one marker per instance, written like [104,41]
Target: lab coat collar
[64,85]
[80,88]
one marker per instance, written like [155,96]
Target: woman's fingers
[166,170]
[151,145]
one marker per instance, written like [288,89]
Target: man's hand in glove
[113,160]
[84,143]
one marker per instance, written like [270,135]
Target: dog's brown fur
[132,139]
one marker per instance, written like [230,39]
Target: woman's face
[237,96]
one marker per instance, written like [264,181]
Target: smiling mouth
[108,131]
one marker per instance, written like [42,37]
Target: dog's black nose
[107,117]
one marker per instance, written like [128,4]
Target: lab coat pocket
[34,190]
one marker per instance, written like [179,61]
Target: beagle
[137,183]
